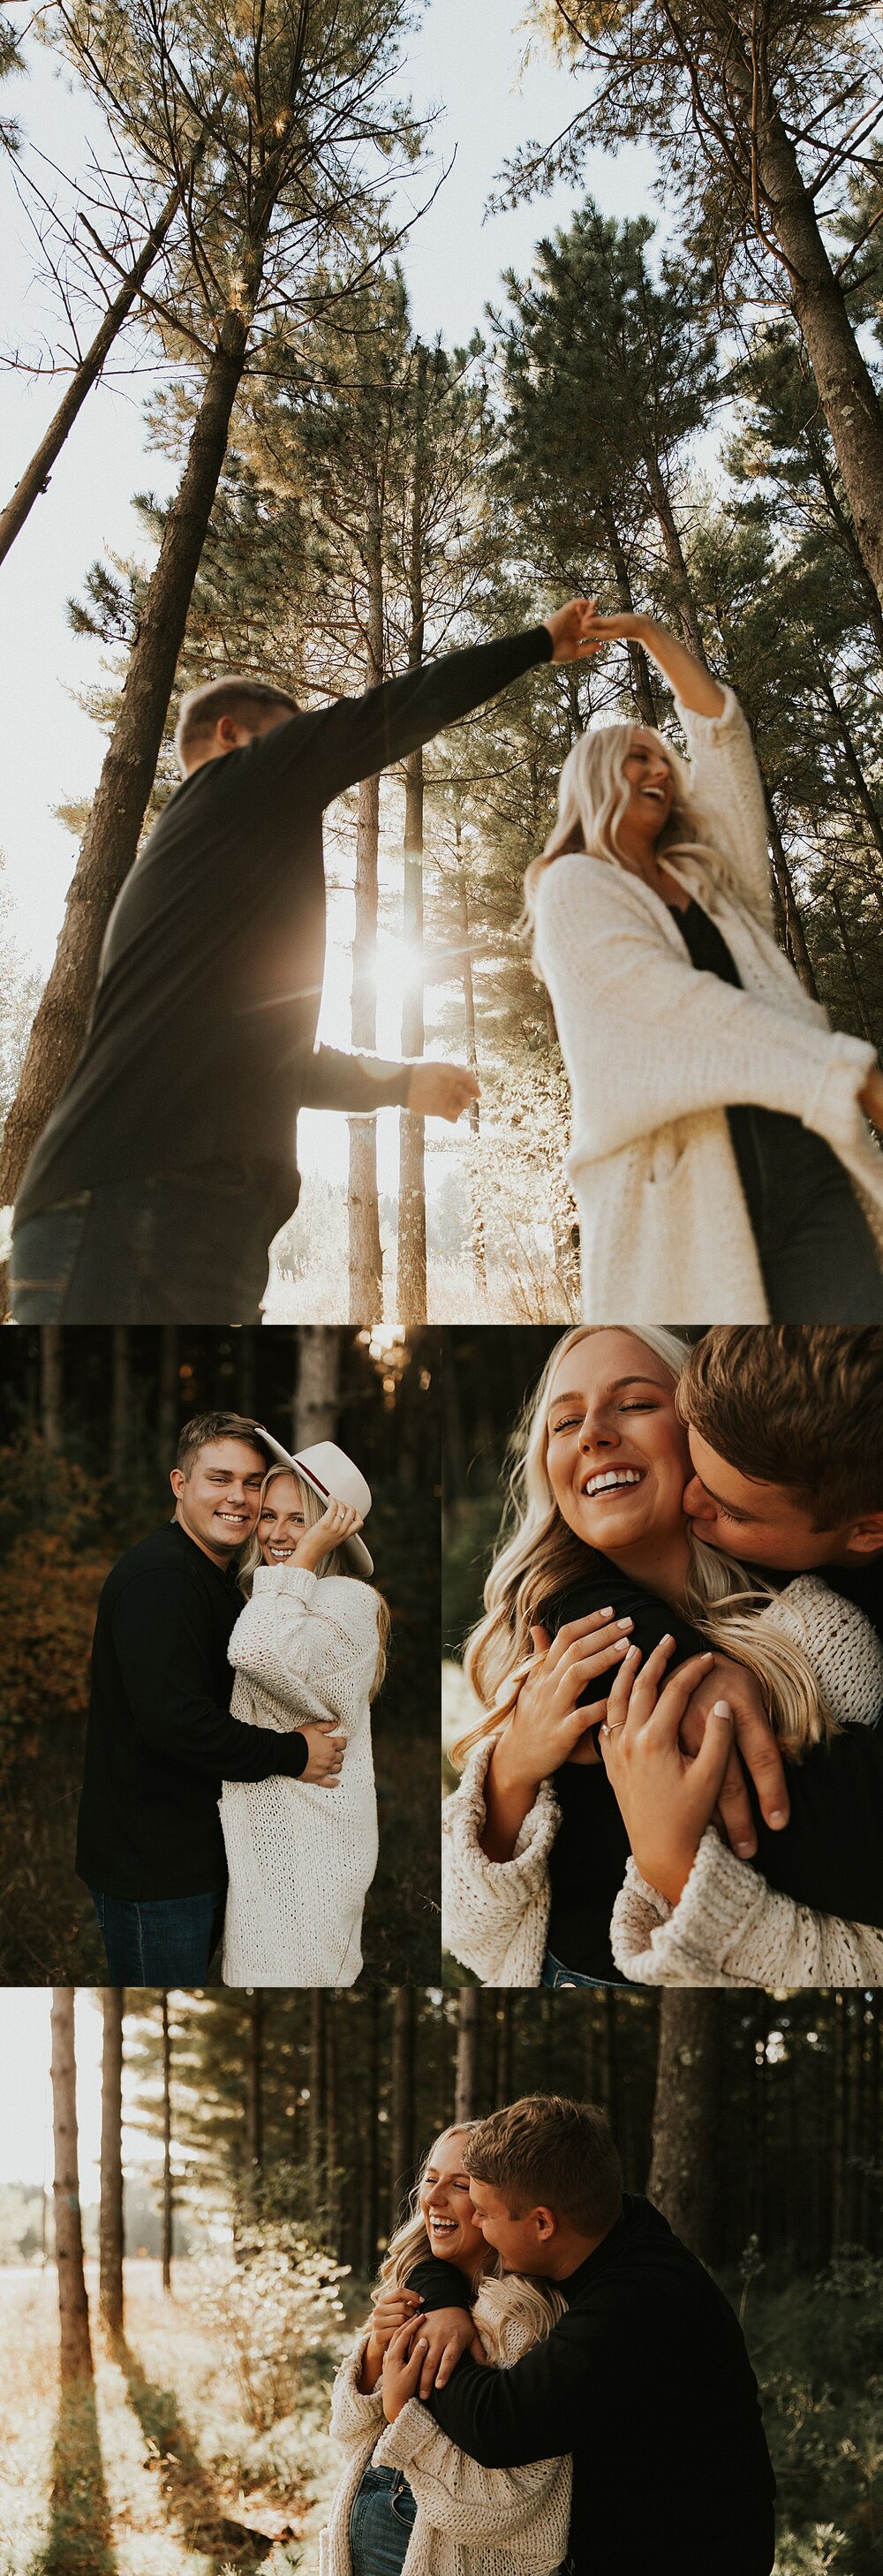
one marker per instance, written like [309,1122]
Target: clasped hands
[413,2352]
[673,1749]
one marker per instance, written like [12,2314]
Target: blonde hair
[539,1557]
[501,2299]
[593,794]
[336,1562]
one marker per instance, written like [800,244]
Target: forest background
[677,407]
[89,1423]
[169,2413]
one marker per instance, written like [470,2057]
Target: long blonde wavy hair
[539,1557]
[593,794]
[336,1562]
[502,2298]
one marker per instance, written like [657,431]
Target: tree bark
[167,2203]
[411,1268]
[682,2172]
[316,2126]
[402,2105]
[479,1248]
[111,840]
[674,553]
[783,881]
[368,2232]
[851,960]
[254,2096]
[468,2053]
[51,1384]
[365,1256]
[167,1407]
[73,2305]
[317,1398]
[110,2282]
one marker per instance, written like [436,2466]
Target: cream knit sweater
[656,1051]
[301,1857]
[470,2521]
[495,1913]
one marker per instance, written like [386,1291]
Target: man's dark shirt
[647,2381]
[829,1856]
[201,1044]
[160,1738]
[860,1581]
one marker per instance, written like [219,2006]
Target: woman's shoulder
[345,1597]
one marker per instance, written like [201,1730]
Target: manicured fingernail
[630,1652]
[744,1851]
[625,1623]
[620,1647]
[779,1816]
[606,1613]
[722,1709]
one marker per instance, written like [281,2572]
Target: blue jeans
[381,2523]
[555,1974]
[160,1940]
[176,1248]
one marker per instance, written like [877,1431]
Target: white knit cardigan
[470,2520]
[656,1051]
[728,1921]
[301,1857]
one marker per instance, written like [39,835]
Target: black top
[860,1581]
[828,1856]
[160,1738]
[201,1044]
[647,2381]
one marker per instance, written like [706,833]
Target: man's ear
[866,1536]
[546,2224]
[177,1480]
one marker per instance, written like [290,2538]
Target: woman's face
[651,783]
[282,1521]
[447,2209]
[616,1454]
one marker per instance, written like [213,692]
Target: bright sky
[26,2101]
[463,56]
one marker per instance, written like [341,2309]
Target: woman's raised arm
[690,679]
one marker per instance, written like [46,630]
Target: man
[160,1738]
[646,2379]
[168,1163]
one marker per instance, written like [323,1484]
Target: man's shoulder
[161,1554]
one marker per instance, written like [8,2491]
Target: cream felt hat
[335,1478]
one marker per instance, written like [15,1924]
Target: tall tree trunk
[846,534]
[468,2053]
[111,840]
[36,476]
[316,2125]
[851,960]
[365,1256]
[167,2203]
[246,1369]
[317,1397]
[119,1405]
[847,745]
[503,2051]
[51,1362]
[254,2093]
[676,560]
[110,2282]
[479,1250]
[402,2105]
[73,2305]
[167,1404]
[685,2115]
[782,878]
[411,1268]
[332,2135]
[369,2161]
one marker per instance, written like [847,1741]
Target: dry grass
[160,2475]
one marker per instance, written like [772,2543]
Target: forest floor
[163,2475]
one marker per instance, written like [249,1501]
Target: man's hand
[325,1752]
[441,1090]
[446,2333]
[871,1097]
[754,1740]
[573,631]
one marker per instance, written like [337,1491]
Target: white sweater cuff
[655,1943]
[286,1578]
[832,1104]
[711,729]
[401,2443]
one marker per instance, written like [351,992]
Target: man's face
[217,1504]
[762,1524]
[524,2243]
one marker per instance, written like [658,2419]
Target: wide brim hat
[334,1478]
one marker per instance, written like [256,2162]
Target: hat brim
[354,1548]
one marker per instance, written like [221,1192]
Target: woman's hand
[692,683]
[336,1524]
[392,2309]
[402,2365]
[871,1098]
[325,1752]
[665,1798]
[546,1723]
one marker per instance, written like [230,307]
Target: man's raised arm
[362,735]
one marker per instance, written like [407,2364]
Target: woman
[722,1168]
[602,1557]
[449,2515]
[310,1645]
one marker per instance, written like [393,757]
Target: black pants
[815,1247]
[177,1248]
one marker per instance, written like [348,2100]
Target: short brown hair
[235,696]
[547,2152]
[205,1428]
[799,1405]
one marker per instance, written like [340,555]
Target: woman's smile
[446,2208]
[616,1454]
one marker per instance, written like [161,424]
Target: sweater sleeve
[309,1642]
[354,2412]
[538,2409]
[159,1636]
[331,1079]
[844,1650]
[730,1929]
[726,782]
[361,735]
[472,2504]
[685,1041]
[494,1913]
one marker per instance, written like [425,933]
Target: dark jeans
[555,1974]
[816,1250]
[177,1248]
[381,2523]
[160,1940]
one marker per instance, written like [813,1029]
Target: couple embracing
[536,2332]
[237,1651]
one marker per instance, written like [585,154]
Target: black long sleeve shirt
[829,1856]
[202,1041]
[160,1738]
[647,2381]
